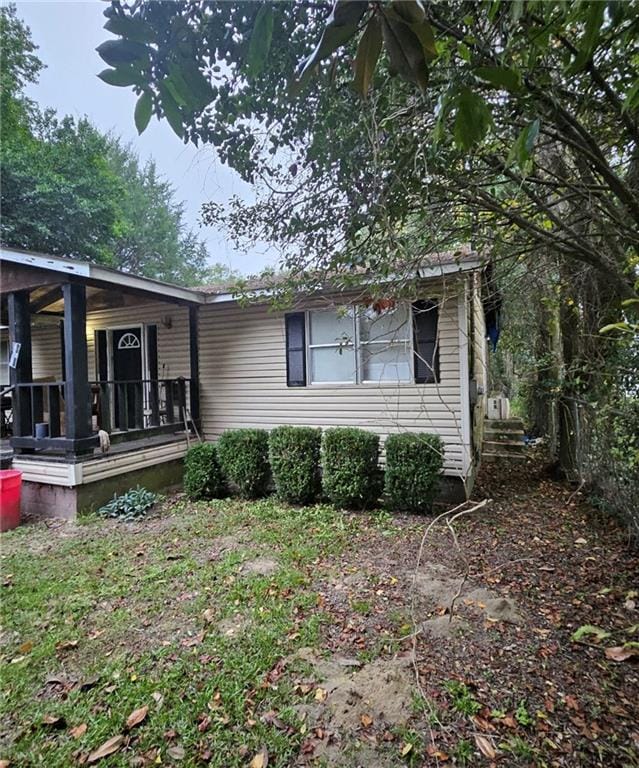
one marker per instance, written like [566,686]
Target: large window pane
[391,325]
[335,364]
[386,362]
[331,327]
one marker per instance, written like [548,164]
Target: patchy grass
[244,626]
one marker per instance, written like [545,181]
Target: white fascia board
[90,271]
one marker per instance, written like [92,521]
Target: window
[361,345]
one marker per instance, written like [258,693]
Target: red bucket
[10,488]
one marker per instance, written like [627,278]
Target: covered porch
[91,351]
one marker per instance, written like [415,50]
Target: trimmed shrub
[294,453]
[413,464]
[244,459]
[351,477]
[203,477]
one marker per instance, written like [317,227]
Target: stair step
[504,434]
[505,424]
[505,444]
[491,456]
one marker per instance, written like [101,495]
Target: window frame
[357,346]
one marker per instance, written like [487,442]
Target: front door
[127,373]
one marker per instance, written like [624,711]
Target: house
[155,365]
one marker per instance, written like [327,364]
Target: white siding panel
[46,351]
[243,384]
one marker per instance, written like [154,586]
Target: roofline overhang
[94,274]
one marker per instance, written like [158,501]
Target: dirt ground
[491,647]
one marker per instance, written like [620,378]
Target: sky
[67,34]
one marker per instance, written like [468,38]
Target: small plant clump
[243,457]
[351,477]
[294,454]
[131,505]
[203,477]
[414,462]
[462,699]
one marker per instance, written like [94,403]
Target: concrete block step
[504,424]
[504,434]
[509,448]
[495,457]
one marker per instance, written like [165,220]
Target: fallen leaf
[485,747]
[367,720]
[260,760]
[108,748]
[78,731]
[136,717]
[55,721]
[177,752]
[622,652]
[588,630]
[67,645]
[158,698]
[406,748]
[320,694]
[26,647]
[580,541]
[208,615]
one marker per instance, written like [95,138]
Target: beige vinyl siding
[173,342]
[46,351]
[243,383]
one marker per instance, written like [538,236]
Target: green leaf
[131,28]
[522,148]
[261,38]
[590,39]
[473,119]
[589,630]
[143,111]
[121,77]
[171,110]
[501,77]
[189,87]
[116,52]
[342,24]
[368,50]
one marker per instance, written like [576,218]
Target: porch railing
[125,409]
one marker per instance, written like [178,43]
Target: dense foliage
[69,189]
[414,463]
[130,505]
[243,455]
[203,477]
[294,454]
[351,477]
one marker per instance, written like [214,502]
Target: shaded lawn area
[254,629]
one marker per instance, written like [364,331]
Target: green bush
[294,453]
[413,465]
[203,477]
[350,473]
[129,506]
[244,459]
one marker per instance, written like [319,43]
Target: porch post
[77,396]
[194,357]
[20,332]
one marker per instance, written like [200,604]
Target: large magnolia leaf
[521,151]
[143,111]
[405,51]
[122,77]
[368,50]
[342,24]
[171,109]
[189,87]
[117,52]
[590,39]
[261,38]
[131,28]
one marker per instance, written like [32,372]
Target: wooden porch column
[77,395]
[20,332]
[194,357]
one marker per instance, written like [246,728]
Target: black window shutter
[152,351]
[101,356]
[425,317]
[295,349]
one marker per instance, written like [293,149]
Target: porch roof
[26,269]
